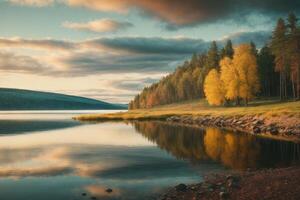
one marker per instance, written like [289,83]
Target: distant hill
[17,99]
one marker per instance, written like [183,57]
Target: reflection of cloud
[41,171]
[38,3]
[99,191]
[100,26]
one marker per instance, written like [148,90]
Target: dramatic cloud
[178,12]
[99,26]
[111,55]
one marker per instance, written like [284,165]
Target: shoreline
[265,118]
[271,184]
[255,125]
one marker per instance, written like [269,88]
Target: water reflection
[237,151]
[138,160]
[23,126]
[89,158]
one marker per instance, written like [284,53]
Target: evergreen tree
[278,47]
[212,60]
[294,54]
[253,48]
[269,79]
[228,49]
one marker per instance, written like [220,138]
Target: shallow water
[49,156]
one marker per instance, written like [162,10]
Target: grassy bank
[266,108]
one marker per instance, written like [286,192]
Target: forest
[234,74]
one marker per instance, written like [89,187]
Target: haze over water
[50,156]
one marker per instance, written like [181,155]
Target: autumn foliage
[229,75]
[214,88]
[238,79]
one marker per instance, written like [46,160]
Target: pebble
[108,190]
[223,195]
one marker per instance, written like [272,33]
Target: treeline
[277,70]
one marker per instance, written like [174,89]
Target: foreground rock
[251,124]
[272,184]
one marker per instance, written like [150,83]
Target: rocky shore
[271,184]
[288,128]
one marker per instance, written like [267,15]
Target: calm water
[49,156]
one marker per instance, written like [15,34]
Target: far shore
[269,118]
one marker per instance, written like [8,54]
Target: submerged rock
[181,187]
[108,190]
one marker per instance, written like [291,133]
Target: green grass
[267,108]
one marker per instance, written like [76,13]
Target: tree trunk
[280,86]
[293,88]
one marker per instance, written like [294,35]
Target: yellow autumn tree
[230,78]
[239,75]
[213,88]
[244,61]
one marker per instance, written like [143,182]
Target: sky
[111,49]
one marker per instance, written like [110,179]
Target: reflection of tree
[181,141]
[233,150]
[237,151]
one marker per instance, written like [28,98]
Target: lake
[47,155]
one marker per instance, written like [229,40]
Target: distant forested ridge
[17,99]
[236,74]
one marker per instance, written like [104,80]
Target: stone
[223,195]
[229,177]
[256,130]
[274,130]
[181,187]
[108,190]
[233,183]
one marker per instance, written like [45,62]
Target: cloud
[178,13]
[136,84]
[152,45]
[99,26]
[260,38]
[40,44]
[12,62]
[92,62]
[111,55]
[38,3]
